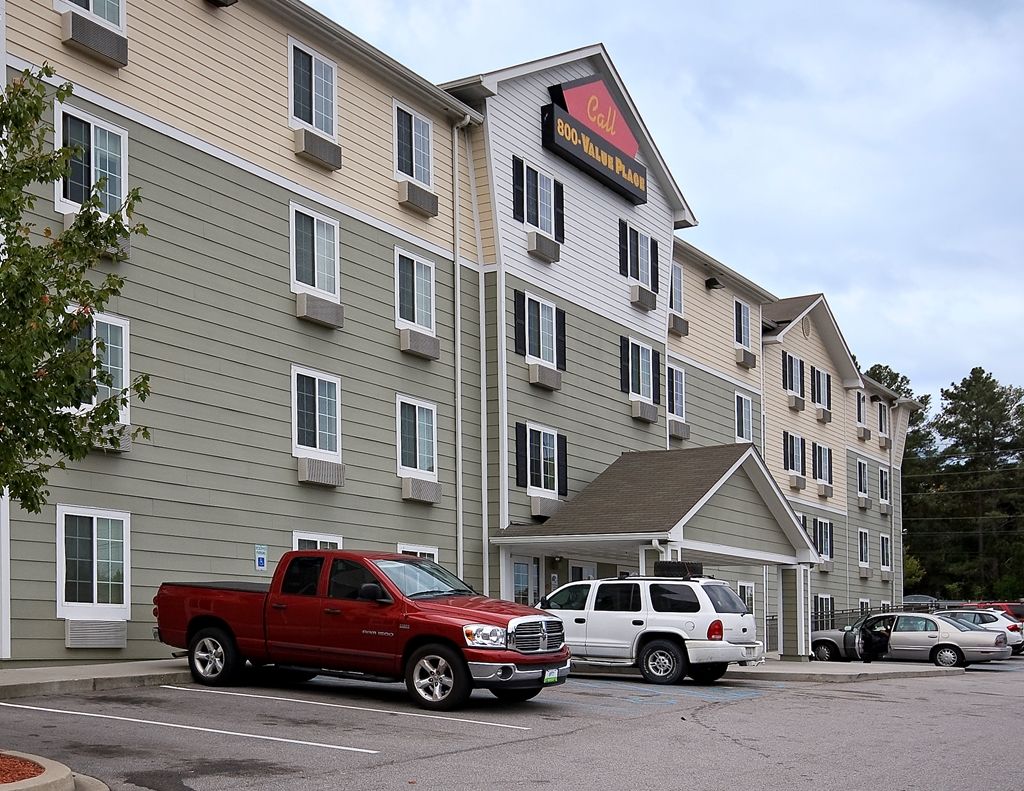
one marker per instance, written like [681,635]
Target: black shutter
[518,190]
[559,212]
[785,448]
[803,456]
[814,459]
[671,391]
[656,376]
[563,471]
[828,393]
[519,300]
[624,363]
[654,266]
[814,385]
[623,248]
[785,360]
[560,339]
[829,454]
[522,449]
[801,378]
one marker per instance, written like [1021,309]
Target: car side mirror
[370,591]
[543,603]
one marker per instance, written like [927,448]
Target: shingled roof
[785,311]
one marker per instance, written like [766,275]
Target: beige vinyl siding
[230,89]
[467,200]
[485,201]
[736,516]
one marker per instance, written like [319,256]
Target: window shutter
[785,448]
[814,384]
[563,471]
[559,212]
[656,377]
[829,454]
[623,248]
[560,339]
[785,365]
[522,449]
[828,392]
[624,363]
[654,266]
[803,457]
[671,391]
[814,458]
[518,190]
[519,300]
[801,378]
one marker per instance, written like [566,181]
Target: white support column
[801,611]
[505,582]
[778,616]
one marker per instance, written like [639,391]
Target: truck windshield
[420,578]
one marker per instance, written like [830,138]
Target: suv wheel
[662,662]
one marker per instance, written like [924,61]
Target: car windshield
[723,598]
[419,578]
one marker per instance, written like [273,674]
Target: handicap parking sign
[261,557]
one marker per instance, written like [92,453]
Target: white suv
[667,626]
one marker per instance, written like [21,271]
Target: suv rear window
[674,598]
[724,599]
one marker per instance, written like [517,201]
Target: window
[542,460]
[746,592]
[821,463]
[419,551]
[675,294]
[93,564]
[316,415]
[540,330]
[821,388]
[915,623]
[413,136]
[885,552]
[100,159]
[792,374]
[793,453]
[346,578]
[883,419]
[723,599]
[864,544]
[302,577]
[861,409]
[862,478]
[314,254]
[824,612]
[742,324]
[415,293]
[573,597]
[537,199]
[744,419]
[865,606]
[110,334]
[640,257]
[417,439]
[110,13]
[674,598]
[304,540]
[641,380]
[618,597]
[883,485]
[313,90]
[677,392]
[823,538]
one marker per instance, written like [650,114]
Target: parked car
[373,616]
[668,627]
[1015,609]
[993,620]
[916,637]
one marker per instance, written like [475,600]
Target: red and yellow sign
[592,105]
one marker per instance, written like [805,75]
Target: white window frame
[744,321]
[404,324]
[543,303]
[298,535]
[748,413]
[883,419]
[678,387]
[676,278]
[414,472]
[399,175]
[298,123]
[74,611]
[641,269]
[884,548]
[862,465]
[539,491]
[61,204]
[883,489]
[885,604]
[304,288]
[863,548]
[419,550]
[824,598]
[791,456]
[822,386]
[823,527]
[60,6]
[526,200]
[793,366]
[740,585]
[861,408]
[649,351]
[124,416]
[823,465]
[301,451]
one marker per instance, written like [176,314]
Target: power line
[961,472]
[956,518]
[966,454]
[964,491]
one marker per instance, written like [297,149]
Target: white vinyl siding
[312,90]
[93,564]
[99,159]
[316,415]
[414,293]
[417,438]
[315,254]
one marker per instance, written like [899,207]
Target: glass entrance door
[525,580]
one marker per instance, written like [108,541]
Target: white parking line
[351,708]
[190,728]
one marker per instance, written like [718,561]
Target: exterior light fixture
[713,283]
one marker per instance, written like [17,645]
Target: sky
[873,151]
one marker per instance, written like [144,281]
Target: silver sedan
[915,637]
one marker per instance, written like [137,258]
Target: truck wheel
[213,657]
[662,662]
[708,673]
[515,695]
[437,678]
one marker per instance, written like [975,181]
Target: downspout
[456,230]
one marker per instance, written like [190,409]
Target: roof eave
[736,280]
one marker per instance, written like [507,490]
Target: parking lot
[593,732]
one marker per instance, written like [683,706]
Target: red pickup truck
[368,615]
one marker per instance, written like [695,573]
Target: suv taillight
[715,630]
[1014,627]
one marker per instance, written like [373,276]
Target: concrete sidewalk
[35,681]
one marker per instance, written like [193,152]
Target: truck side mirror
[543,603]
[370,591]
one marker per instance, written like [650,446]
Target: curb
[806,676]
[77,685]
[55,776]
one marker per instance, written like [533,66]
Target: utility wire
[962,472]
[955,518]
[963,491]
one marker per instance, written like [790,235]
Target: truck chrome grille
[534,637]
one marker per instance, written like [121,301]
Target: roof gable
[780,317]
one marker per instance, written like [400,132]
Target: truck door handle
[331,611]
[279,605]
[638,623]
[580,620]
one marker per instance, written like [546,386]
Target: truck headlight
[481,635]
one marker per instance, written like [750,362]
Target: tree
[58,399]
